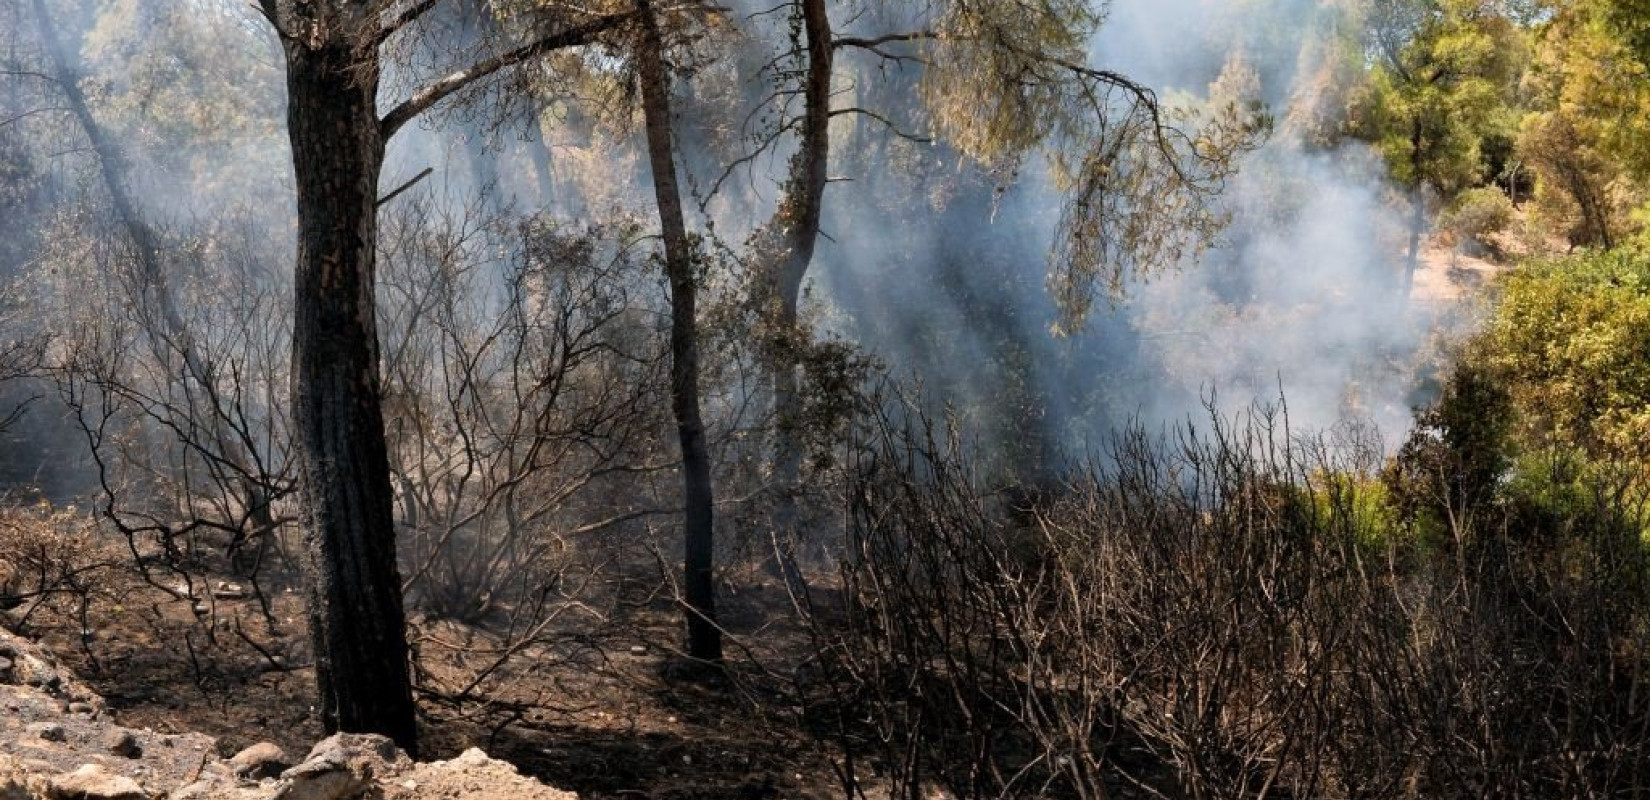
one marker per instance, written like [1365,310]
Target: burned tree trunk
[356,618]
[704,638]
[786,251]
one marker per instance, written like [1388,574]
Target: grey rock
[48,732]
[229,591]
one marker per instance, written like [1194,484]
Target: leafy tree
[1588,143]
[1568,338]
[1000,83]
[1578,185]
[1442,70]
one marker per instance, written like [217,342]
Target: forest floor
[606,715]
[1447,275]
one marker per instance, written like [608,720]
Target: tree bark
[352,582]
[704,638]
[1412,261]
[786,252]
[356,618]
[1417,217]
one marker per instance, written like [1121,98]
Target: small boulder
[92,782]
[122,743]
[48,731]
[262,760]
[82,707]
[229,591]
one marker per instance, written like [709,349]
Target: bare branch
[441,89]
[404,187]
[407,16]
[875,42]
[888,123]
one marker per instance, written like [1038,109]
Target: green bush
[1476,216]
[1570,341]
[1454,461]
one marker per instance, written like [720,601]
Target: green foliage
[1478,214]
[1570,338]
[1598,57]
[1453,462]
[1553,491]
[1629,22]
[1444,70]
[1578,185]
[1587,142]
[1539,433]
[1139,177]
[1350,501]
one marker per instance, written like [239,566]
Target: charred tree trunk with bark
[788,250]
[704,638]
[353,585]
[356,618]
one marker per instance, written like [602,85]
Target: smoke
[934,265]
[1297,296]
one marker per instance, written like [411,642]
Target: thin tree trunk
[1417,222]
[1417,216]
[544,168]
[1595,219]
[789,249]
[356,618]
[704,638]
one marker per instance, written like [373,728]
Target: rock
[229,591]
[5,670]
[340,766]
[82,707]
[219,789]
[472,775]
[48,732]
[92,782]
[262,760]
[41,676]
[14,780]
[473,757]
[122,743]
